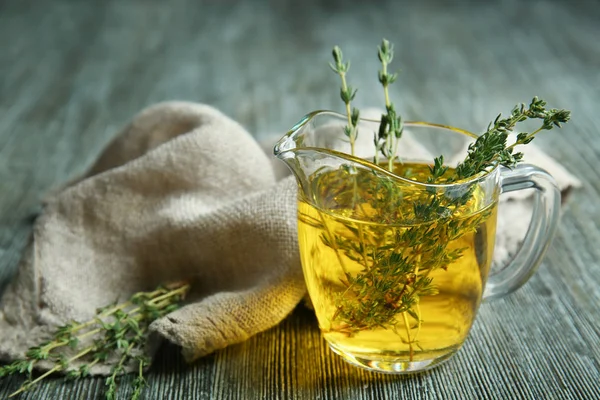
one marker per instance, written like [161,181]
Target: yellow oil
[439,320]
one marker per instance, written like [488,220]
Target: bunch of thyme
[118,332]
[396,263]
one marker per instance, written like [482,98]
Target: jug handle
[544,220]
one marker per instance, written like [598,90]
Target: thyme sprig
[118,332]
[391,125]
[491,147]
[347,93]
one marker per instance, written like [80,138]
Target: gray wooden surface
[72,72]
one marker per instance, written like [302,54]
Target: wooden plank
[73,72]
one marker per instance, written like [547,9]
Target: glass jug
[396,267]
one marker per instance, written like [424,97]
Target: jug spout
[285,151]
[297,139]
[317,143]
[284,147]
[323,131]
[294,138]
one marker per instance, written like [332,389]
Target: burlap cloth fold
[183,192]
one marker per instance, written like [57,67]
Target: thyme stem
[410,342]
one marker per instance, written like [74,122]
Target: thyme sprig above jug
[347,93]
[391,125]
[397,263]
[118,332]
[489,149]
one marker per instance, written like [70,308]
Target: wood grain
[72,72]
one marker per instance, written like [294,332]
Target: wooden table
[73,72]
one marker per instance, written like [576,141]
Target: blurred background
[72,73]
[88,66]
